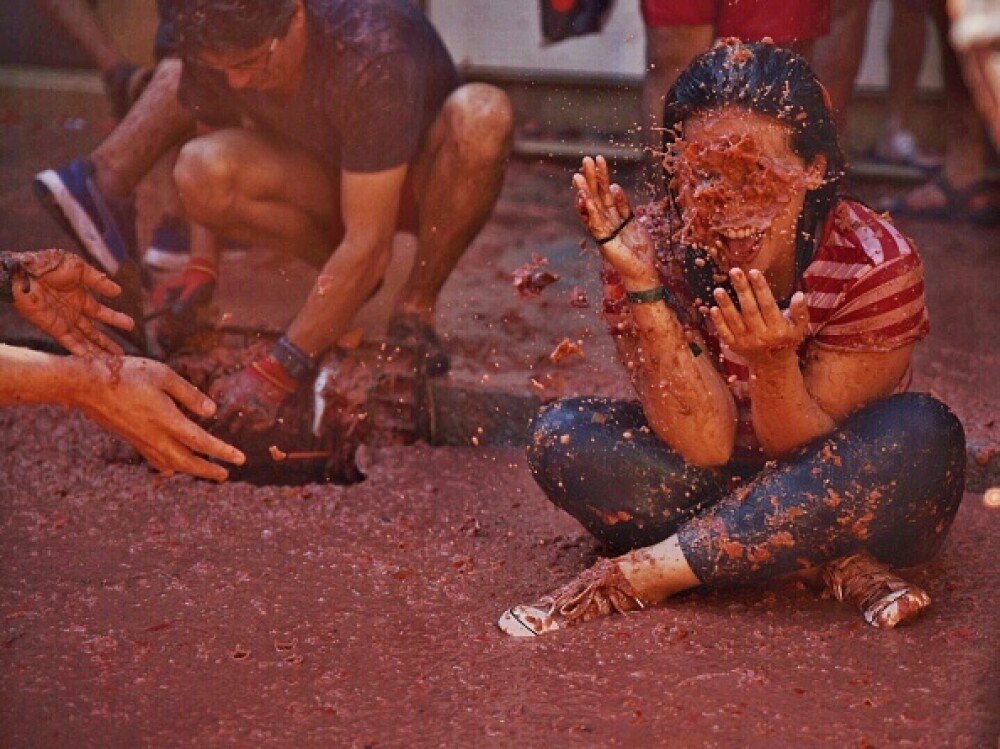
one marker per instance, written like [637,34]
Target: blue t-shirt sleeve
[382,120]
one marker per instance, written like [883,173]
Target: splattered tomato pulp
[739,185]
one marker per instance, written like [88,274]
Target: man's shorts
[784,21]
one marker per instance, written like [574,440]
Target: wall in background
[507,35]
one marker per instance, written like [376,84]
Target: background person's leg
[156,123]
[597,459]
[836,57]
[906,46]
[81,21]
[669,49]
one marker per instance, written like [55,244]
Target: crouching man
[325,126]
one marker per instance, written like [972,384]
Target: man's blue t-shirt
[376,76]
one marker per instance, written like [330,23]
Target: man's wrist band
[200,265]
[656,294]
[617,231]
[10,269]
[271,372]
[292,359]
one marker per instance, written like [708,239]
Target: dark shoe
[104,231]
[979,203]
[409,331]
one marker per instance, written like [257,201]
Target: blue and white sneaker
[104,228]
[170,248]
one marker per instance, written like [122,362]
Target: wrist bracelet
[656,294]
[617,231]
[292,359]
[10,269]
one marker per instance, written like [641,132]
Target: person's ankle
[108,182]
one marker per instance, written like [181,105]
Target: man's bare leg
[244,186]
[457,181]
[156,123]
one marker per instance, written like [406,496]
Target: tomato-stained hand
[251,398]
[759,328]
[177,302]
[53,290]
[604,209]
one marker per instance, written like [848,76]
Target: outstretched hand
[54,293]
[605,210]
[138,399]
[759,328]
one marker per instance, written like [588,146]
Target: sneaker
[885,599]
[408,330]
[170,247]
[104,228]
[599,591]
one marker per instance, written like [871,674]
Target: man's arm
[252,398]
[134,398]
[369,206]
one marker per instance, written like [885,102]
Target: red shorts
[784,21]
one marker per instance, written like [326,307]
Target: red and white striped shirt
[864,292]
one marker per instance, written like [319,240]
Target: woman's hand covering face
[758,328]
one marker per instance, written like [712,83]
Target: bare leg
[659,571]
[965,149]
[907,41]
[668,51]
[155,124]
[78,19]
[837,56]
[280,198]
[458,177]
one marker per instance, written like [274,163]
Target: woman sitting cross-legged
[768,326]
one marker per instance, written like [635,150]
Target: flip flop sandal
[956,208]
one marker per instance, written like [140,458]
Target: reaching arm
[253,397]
[134,398]
[53,290]
[369,205]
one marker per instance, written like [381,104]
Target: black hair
[776,82]
[228,25]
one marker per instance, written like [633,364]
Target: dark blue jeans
[889,480]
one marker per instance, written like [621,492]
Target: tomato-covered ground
[140,611]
